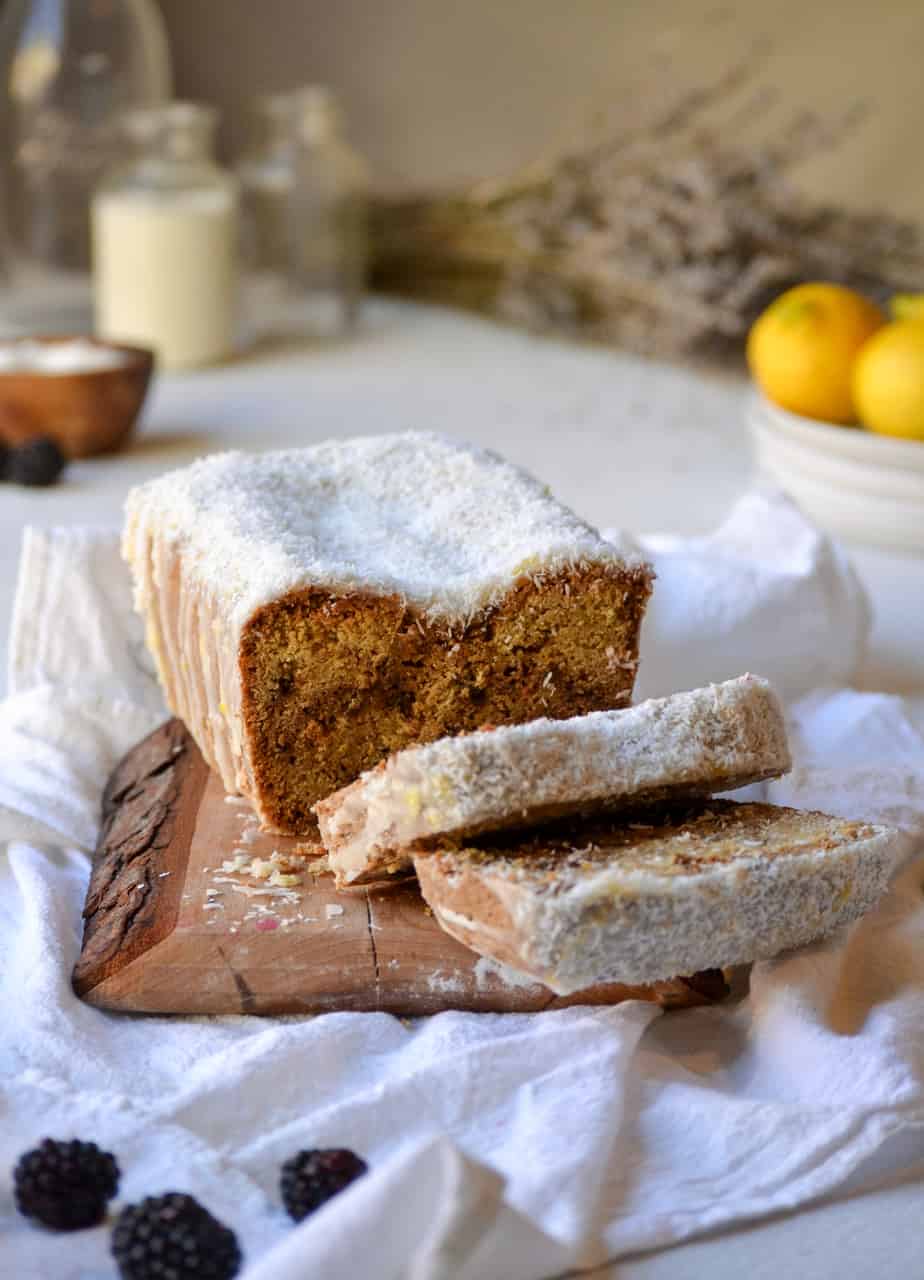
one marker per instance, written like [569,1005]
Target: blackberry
[311,1178]
[173,1237]
[4,458]
[65,1185]
[38,462]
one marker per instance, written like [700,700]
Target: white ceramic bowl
[865,487]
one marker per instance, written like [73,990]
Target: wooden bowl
[87,411]
[865,487]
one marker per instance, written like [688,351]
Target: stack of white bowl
[865,487]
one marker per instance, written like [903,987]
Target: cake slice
[713,739]
[312,610]
[705,886]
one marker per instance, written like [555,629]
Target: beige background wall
[438,90]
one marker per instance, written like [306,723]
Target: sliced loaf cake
[312,610]
[701,886]
[713,739]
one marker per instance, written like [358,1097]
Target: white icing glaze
[444,525]
[713,739]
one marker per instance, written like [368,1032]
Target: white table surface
[625,442]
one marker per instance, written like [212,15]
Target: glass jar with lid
[165,241]
[304,191]
[69,69]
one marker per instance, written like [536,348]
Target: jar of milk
[165,241]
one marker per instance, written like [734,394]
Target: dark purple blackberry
[65,1185]
[311,1178]
[173,1237]
[4,459]
[37,463]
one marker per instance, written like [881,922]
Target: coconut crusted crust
[706,885]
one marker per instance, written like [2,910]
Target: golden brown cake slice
[706,886]
[712,739]
[313,610]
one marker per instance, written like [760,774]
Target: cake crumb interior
[333,683]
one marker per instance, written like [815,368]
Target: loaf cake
[713,739]
[311,611]
[706,885]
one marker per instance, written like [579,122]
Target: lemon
[907,306]
[801,350]
[888,380]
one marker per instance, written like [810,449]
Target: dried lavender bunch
[660,237]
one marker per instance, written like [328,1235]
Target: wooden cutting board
[169,931]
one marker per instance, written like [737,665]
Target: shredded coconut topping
[444,525]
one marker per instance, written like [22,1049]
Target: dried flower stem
[657,237]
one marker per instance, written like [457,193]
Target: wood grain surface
[168,930]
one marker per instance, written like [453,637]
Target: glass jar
[304,200]
[69,69]
[165,241]
[266,172]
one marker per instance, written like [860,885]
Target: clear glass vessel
[266,172]
[304,192]
[165,240]
[69,70]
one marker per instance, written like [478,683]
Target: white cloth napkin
[514,1146]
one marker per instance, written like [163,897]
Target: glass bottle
[266,172]
[165,241]
[305,196]
[329,212]
[69,69]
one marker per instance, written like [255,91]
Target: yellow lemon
[801,350]
[888,380]
[907,306]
